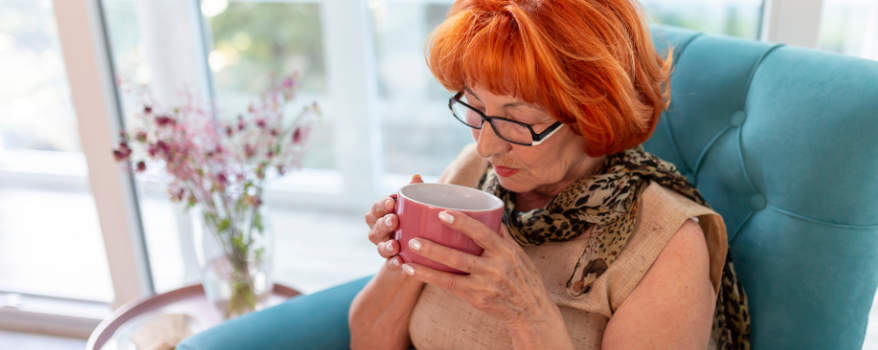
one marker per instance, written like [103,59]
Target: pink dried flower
[297,135]
[140,136]
[163,147]
[122,152]
[203,157]
[177,195]
[164,120]
[222,179]
[288,83]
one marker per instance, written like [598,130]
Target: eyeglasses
[507,129]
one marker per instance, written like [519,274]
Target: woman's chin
[513,186]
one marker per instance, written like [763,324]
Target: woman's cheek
[475,133]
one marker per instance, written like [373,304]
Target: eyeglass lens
[506,129]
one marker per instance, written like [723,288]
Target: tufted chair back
[783,142]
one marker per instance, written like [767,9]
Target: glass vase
[235,256]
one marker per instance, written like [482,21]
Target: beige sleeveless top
[440,320]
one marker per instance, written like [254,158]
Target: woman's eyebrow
[508,105]
[472,93]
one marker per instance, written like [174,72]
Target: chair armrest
[314,321]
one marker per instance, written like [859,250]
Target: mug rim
[498,201]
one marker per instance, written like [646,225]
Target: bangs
[488,50]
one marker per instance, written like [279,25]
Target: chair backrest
[783,143]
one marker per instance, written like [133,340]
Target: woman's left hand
[503,282]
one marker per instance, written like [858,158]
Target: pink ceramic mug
[418,207]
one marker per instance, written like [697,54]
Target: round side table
[189,300]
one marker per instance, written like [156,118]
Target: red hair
[589,63]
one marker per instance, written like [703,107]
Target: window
[50,237]
[256,41]
[420,136]
[850,27]
[739,18]
[232,50]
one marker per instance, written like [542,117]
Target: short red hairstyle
[590,63]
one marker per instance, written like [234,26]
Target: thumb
[417,179]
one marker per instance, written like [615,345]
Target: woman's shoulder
[665,214]
[466,169]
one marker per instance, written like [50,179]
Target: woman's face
[525,168]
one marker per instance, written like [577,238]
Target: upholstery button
[758,202]
[738,118]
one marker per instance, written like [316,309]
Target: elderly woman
[603,245]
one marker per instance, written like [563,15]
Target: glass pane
[739,18]
[50,236]
[850,27]
[165,223]
[254,42]
[420,135]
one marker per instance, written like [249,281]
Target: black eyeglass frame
[537,138]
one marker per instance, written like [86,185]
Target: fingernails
[388,204]
[414,244]
[394,261]
[388,221]
[408,269]
[447,218]
[388,247]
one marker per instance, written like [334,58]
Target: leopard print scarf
[607,202]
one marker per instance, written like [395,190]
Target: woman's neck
[540,196]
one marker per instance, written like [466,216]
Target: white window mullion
[792,22]
[92,91]
[347,39]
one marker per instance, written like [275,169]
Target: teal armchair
[782,141]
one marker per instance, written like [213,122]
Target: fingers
[394,263]
[450,257]
[380,208]
[383,228]
[417,179]
[445,280]
[388,248]
[472,228]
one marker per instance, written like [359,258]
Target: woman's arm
[379,316]
[672,306]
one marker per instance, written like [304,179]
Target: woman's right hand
[382,223]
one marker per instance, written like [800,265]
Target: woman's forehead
[508,100]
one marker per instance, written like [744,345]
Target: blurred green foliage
[261,40]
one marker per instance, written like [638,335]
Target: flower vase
[235,257]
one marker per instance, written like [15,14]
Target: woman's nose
[488,143]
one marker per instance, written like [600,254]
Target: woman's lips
[504,171]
